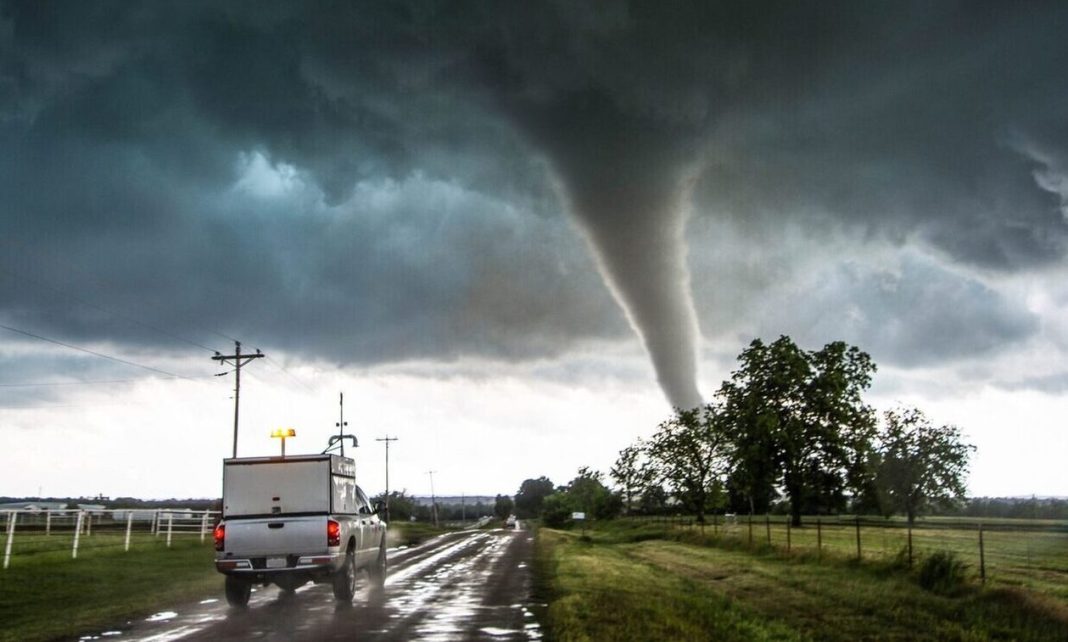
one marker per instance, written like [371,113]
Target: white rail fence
[51,532]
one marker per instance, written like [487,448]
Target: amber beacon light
[283,434]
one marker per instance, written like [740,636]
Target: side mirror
[380,508]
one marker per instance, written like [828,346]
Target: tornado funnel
[627,180]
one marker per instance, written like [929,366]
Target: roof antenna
[341,423]
[339,439]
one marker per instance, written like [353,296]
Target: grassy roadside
[50,596]
[627,584]
[1031,554]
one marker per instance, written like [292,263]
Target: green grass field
[635,581]
[1026,554]
[44,594]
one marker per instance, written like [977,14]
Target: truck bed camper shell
[293,486]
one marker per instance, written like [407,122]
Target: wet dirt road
[470,585]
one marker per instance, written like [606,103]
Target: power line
[113,313]
[290,375]
[93,352]
[223,335]
[67,383]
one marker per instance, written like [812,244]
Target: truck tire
[345,579]
[238,591]
[377,570]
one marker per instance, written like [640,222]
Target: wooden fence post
[858,539]
[982,556]
[129,527]
[11,517]
[170,528]
[767,526]
[819,539]
[48,522]
[910,544]
[77,535]
[203,526]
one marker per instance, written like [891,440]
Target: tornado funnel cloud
[636,232]
[626,176]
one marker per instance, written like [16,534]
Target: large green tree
[689,452]
[401,505]
[631,473]
[530,496]
[797,422]
[588,494]
[502,506]
[918,464]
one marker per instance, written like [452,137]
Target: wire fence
[41,534]
[1011,551]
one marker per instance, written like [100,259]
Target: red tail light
[220,537]
[333,533]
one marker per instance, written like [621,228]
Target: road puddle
[105,634]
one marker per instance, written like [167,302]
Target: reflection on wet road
[459,586]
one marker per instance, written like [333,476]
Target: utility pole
[387,439]
[237,360]
[433,497]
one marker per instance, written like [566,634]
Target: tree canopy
[918,464]
[586,493]
[797,421]
[632,473]
[689,452]
[502,506]
[793,423]
[530,496]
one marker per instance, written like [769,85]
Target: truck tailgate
[276,536]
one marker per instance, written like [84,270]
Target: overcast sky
[515,236]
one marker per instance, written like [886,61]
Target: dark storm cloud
[918,132]
[1054,384]
[914,315]
[431,147]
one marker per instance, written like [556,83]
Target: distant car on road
[511,522]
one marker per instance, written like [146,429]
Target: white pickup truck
[289,521]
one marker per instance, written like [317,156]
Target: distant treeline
[979,507]
[404,507]
[1016,507]
[1005,507]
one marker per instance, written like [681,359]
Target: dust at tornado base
[470,585]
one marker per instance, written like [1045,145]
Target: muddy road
[470,585]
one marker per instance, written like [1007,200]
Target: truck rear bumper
[265,567]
